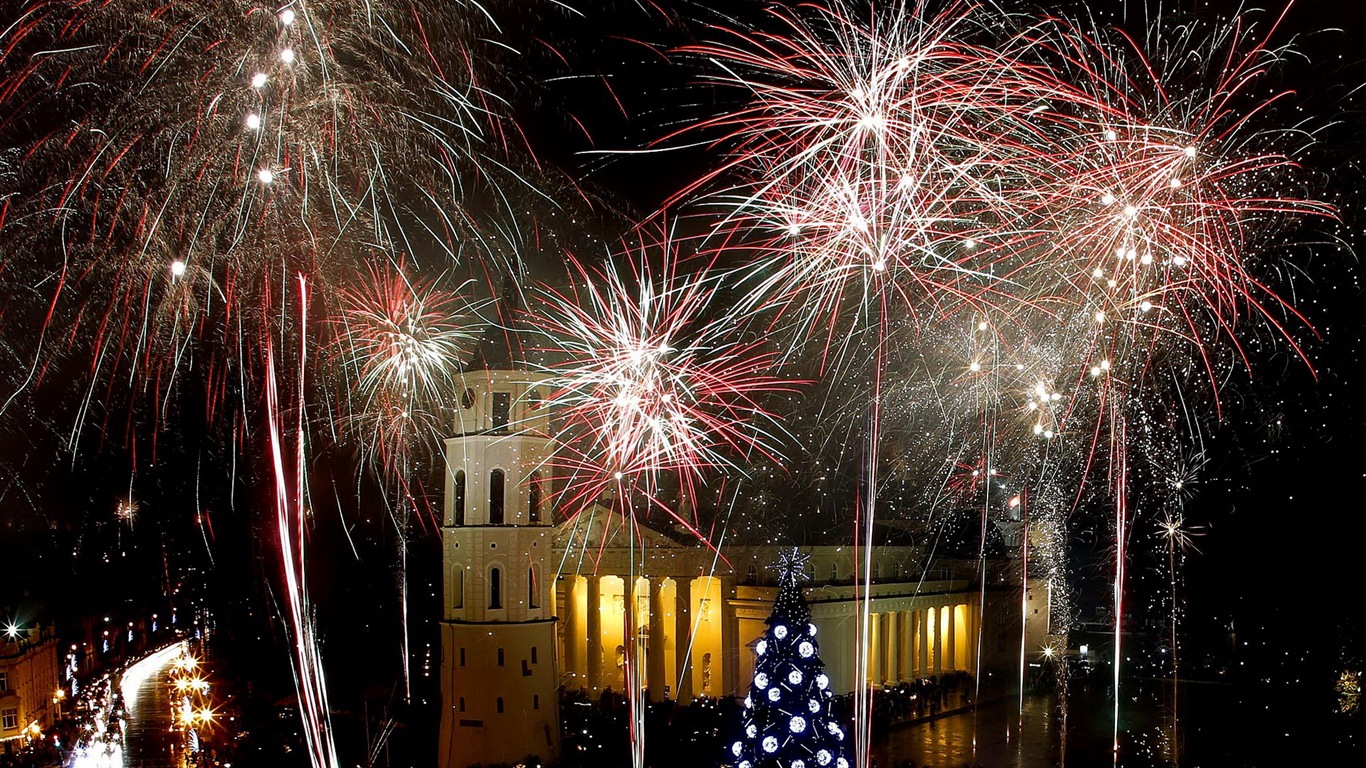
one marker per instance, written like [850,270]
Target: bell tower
[499,684]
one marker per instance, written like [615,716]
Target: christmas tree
[787,722]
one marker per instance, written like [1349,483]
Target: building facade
[533,609]
[28,681]
[499,681]
[694,614]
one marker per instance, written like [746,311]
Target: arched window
[531,587]
[458,588]
[495,588]
[502,410]
[460,497]
[496,497]
[533,493]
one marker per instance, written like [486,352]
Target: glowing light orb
[774,693]
[287,16]
[287,55]
[761,681]
[822,681]
[736,748]
[265,176]
[797,724]
[770,744]
[177,268]
[253,121]
[795,677]
[805,649]
[761,647]
[258,80]
[824,757]
[813,706]
[780,632]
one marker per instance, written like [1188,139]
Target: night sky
[1276,506]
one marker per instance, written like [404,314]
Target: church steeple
[499,679]
[501,348]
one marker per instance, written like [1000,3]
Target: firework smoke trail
[290,517]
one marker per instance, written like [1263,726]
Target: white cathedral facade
[535,606]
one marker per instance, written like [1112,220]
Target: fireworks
[1089,214]
[1020,251]
[646,385]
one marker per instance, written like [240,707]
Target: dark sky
[1286,476]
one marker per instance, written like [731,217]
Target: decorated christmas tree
[787,721]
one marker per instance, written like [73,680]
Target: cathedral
[534,606]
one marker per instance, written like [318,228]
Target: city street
[150,740]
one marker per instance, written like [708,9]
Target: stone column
[936,640]
[655,670]
[593,648]
[730,644]
[951,648]
[572,629]
[903,645]
[683,637]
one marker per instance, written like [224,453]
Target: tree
[787,720]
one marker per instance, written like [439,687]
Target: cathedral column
[594,644]
[730,644]
[903,645]
[683,637]
[918,637]
[936,616]
[573,629]
[655,673]
[951,648]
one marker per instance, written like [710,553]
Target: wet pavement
[151,739]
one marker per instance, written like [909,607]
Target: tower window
[533,655]
[458,589]
[496,497]
[534,497]
[535,701]
[502,409]
[467,399]
[462,657]
[500,657]
[460,497]
[496,595]
[531,588]
[462,703]
[533,398]
[500,705]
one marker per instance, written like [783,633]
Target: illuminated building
[28,680]
[532,608]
